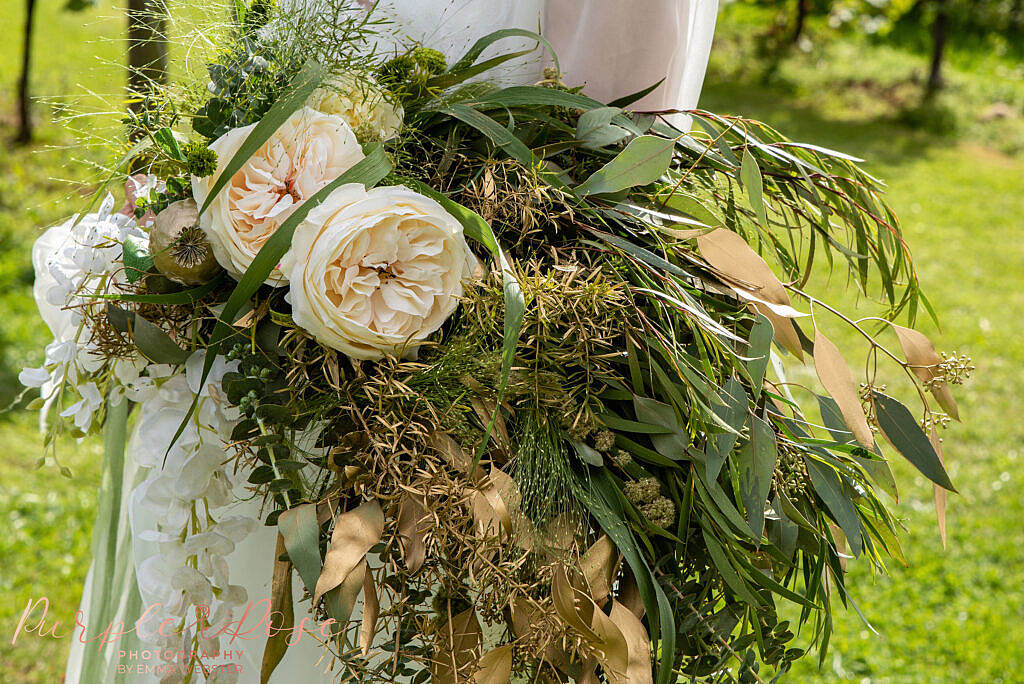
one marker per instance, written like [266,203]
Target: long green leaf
[298,92]
[900,427]
[301,535]
[107,541]
[451,78]
[494,131]
[482,44]
[643,161]
[189,296]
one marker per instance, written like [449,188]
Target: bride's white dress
[615,48]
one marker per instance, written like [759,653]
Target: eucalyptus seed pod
[179,247]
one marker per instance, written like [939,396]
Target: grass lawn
[956,180]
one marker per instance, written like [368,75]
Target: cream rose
[376,272]
[306,153]
[362,103]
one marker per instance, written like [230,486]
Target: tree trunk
[940,31]
[24,113]
[803,8]
[147,48]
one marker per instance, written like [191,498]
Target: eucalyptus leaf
[755,460]
[729,574]
[838,499]
[595,129]
[137,261]
[588,454]
[750,176]
[877,468]
[902,430]
[732,411]
[301,535]
[156,345]
[167,142]
[644,160]
[120,318]
[761,335]
[672,445]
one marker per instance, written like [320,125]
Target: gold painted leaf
[371,611]
[574,612]
[455,648]
[494,502]
[354,533]
[527,619]
[638,647]
[940,493]
[341,600]
[495,666]
[629,593]
[924,362]
[485,412]
[445,445]
[835,377]
[410,520]
[282,615]
[578,610]
[730,255]
[599,565]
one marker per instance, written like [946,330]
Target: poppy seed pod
[179,247]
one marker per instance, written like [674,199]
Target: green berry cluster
[406,75]
[954,369]
[200,160]
[790,475]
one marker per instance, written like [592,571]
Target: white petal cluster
[72,260]
[184,493]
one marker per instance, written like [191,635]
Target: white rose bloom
[306,153]
[376,272]
[362,103]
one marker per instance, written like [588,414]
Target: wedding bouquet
[501,365]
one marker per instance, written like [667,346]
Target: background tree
[929,24]
[940,32]
[25,127]
[24,115]
[147,47]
